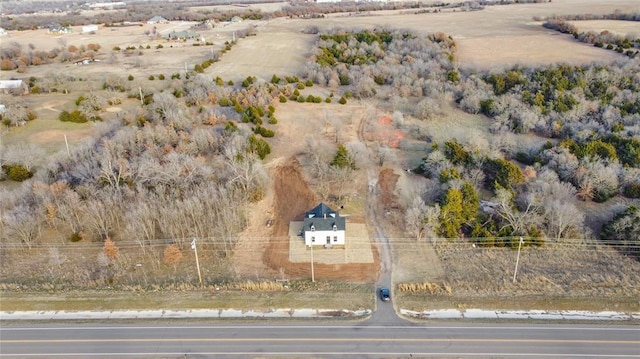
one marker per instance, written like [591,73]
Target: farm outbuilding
[89,28]
[157,20]
[13,87]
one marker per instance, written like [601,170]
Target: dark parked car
[384,294]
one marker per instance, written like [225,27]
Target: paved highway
[339,341]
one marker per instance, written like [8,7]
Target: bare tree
[25,154]
[102,215]
[248,174]
[557,200]
[518,221]
[23,225]
[141,224]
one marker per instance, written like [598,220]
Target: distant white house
[59,29]
[182,35]
[89,28]
[157,20]
[323,227]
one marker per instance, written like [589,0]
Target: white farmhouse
[323,227]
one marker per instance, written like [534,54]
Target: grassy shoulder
[425,301]
[326,296]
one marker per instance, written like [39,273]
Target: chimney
[325,216]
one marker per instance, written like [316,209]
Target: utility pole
[67,144]
[313,277]
[515,272]
[195,249]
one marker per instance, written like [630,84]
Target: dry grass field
[620,28]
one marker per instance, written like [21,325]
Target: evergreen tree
[451,215]
[470,203]
[343,159]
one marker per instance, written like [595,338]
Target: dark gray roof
[323,218]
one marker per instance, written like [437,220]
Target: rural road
[317,340]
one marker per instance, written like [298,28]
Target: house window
[313,228]
[328,239]
[313,239]
[335,228]
[335,238]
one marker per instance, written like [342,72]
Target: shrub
[264,132]
[259,146]
[602,195]
[632,190]
[250,80]
[79,100]
[342,100]
[327,100]
[449,174]
[7,65]
[17,172]
[230,126]
[453,76]
[502,172]
[309,83]
[283,99]
[487,107]
[151,77]
[457,154]
[344,80]
[624,230]
[75,116]
[161,77]
[130,78]
[76,237]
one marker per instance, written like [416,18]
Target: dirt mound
[292,198]
[387,182]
